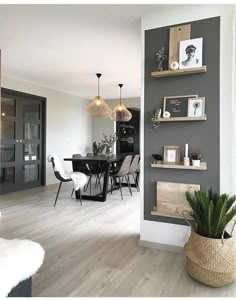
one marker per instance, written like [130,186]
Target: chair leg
[111,184]
[128,183]
[136,183]
[72,192]
[120,188]
[80,196]
[58,193]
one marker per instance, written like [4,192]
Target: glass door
[21,143]
[30,160]
[8,145]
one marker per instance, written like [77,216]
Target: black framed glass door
[21,149]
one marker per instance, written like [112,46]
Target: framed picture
[171,155]
[196,107]
[190,53]
[177,106]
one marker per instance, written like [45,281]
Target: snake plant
[211,212]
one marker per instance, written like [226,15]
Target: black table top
[113,158]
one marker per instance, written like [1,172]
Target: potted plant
[211,250]
[98,148]
[108,142]
[196,157]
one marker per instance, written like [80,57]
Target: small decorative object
[186,158]
[211,251]
[108,142]
[196,107]
[156,114]
[174,65]
[177,106]
[98,148]
[190,53]
[172,155]
[98,107]
[157,158]
[120,113]
[166,114]
[160,57]
[196,158]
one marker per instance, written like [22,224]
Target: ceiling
[63,46]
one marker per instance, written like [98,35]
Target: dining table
[104,163]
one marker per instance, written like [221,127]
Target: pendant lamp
[98,107]
[120,113]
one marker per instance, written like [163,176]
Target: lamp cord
[98,87]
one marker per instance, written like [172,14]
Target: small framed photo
[190,53]
[171,155]
[177,106]
[196,107]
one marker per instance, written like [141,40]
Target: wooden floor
[93,250]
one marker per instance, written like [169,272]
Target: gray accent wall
[203,135]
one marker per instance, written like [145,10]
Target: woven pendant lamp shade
[120,113]
[98,107]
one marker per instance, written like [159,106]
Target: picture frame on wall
[190,53]
[177,106]
[171,155]
[196,107]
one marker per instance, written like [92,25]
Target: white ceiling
[63,46]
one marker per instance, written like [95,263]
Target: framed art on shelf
[190,53]
[177,106]
[171,155]
[196,107]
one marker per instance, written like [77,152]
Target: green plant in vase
[108,142]
[98,148]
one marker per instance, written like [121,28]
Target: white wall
[176,234]
[102,126]
[68,128]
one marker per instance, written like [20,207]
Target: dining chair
[63,176]
[84,169]
[121,174]
[133,169]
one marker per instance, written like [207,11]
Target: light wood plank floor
[93,250]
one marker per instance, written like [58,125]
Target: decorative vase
[211,261]
[159,65]
[196,162]
[108,150]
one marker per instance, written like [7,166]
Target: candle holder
[186,161]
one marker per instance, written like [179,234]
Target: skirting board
[160,246]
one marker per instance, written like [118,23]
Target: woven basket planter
[211,261]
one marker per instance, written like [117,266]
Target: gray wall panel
[202,135]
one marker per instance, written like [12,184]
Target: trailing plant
[156,114]
[212,212]
[196,155]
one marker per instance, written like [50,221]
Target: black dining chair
[121,174]
[61,179]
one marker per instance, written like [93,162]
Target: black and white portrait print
[190,53]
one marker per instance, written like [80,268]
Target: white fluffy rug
[19,260]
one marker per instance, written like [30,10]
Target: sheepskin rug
[19,260]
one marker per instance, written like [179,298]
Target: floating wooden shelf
[183,119]
[155,213]
[167,73]
[202,167]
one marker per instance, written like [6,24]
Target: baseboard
[161,246]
